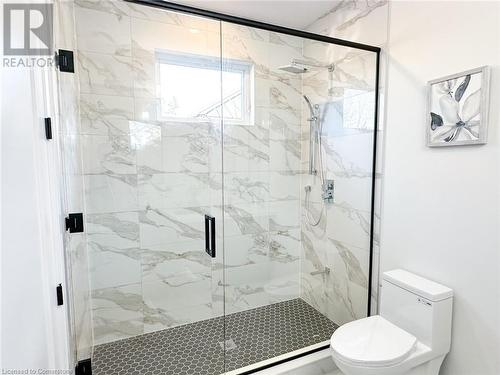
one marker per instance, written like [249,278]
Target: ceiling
[296,14]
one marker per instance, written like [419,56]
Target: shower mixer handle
[328,191]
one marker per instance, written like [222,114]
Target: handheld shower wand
[312,136]
[315,130]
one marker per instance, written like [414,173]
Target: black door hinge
[59,294]
[65,61]
[84,367]
[74,223]
[48,127]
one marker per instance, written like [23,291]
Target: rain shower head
[297,66]
[294,68]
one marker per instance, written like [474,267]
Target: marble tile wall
[363,22]
[262,174]
[341,241]
[148,182]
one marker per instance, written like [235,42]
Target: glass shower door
[298,122]
[180,186]
[265,318]
[192,152]
[150,139]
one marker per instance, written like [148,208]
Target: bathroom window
[189,88]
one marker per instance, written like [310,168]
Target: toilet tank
[419,306]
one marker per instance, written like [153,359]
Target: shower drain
[227,345]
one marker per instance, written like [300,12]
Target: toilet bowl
[411,336]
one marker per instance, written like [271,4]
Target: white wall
[440,216]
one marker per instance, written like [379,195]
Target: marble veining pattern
[149,181]
[353,111]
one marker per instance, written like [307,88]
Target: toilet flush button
[424,301]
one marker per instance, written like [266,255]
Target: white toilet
[411,336]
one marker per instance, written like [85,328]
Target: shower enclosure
[225,172]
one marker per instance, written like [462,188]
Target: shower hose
[317,135]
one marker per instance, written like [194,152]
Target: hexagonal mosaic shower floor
[198,348]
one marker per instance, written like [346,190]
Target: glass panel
[152,161]
[273,139]
[336,251]
[296,260]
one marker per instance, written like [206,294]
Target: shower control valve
[328,190]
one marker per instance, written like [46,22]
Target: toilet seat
[372,342]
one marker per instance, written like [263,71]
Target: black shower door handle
[207,234]
[210,235]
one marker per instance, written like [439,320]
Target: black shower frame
[306,35]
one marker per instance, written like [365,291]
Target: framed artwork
[457,109]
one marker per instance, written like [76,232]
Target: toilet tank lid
[416,284]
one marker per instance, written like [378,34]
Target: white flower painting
[457,109]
